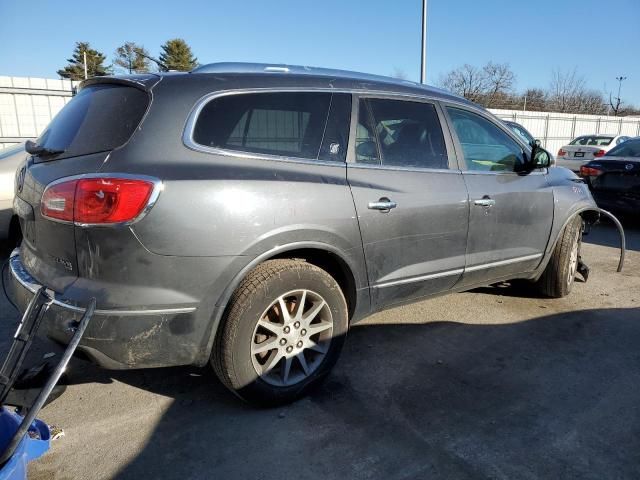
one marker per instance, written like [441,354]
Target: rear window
[592,141]
[290,124]
[630,148]
[99,118]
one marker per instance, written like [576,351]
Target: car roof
[348,79]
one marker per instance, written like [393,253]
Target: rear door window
[99,118]
[592,141]
[400,133]
[289,124]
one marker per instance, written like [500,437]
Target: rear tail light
[589,171]
[562,153]
[599,153]
[99,200]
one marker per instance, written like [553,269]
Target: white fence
[557,129]
[27,105]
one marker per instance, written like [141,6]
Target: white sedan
[10,158]
[585,148]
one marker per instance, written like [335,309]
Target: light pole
[423,59]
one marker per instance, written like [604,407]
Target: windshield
[630,148]
[592,141]
[99,118]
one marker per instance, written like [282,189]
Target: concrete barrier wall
[27,105]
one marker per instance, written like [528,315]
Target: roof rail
[279,68]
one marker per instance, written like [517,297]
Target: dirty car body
[390,230]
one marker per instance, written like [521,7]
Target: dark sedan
[614,179]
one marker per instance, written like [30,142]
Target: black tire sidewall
[245,380]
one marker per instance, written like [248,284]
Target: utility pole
[423,63]
[84,56]
[616,107]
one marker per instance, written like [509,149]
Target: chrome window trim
[158,187]
[403,169]
[452,159]
[458,271]
[187,134]
[518,174]
[22,276]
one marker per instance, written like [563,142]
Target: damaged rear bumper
[115,338]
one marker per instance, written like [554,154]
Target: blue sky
[600,39]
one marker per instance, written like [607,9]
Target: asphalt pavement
[494,383]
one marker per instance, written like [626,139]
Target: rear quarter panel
[235,206]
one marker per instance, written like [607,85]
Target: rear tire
[559,276]
[268,350]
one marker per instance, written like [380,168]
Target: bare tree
[616,105]
[591,102]
[565,90]
[467,81]
[536,99]
[132,58]
[499,80]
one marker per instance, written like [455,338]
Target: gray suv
[246,215]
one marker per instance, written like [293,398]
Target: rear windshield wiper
[34,149]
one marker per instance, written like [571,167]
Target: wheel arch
[320,254]
[589,213]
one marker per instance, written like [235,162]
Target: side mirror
[540,158]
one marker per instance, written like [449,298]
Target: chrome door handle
[384,205]
[485,202]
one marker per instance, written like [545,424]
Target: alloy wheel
[291,338]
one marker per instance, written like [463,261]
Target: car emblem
[20,179]
[629,166]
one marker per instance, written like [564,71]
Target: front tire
[282,333]
[559,276]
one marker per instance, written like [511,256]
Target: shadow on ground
[553,397]
[605,233]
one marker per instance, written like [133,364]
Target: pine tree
[132,57]
[176,55]
[75,69]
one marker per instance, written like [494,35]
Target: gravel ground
[494,383]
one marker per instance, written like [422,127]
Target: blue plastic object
[29,448]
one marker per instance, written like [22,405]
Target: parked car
[10,158]
[247,215]
[615,178]
[520,130]
[585,148]
[525,135]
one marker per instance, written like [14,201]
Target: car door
[410,198]
[510,210]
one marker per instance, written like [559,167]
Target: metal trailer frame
[12,364]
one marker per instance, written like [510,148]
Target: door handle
[384,205]
[485,202]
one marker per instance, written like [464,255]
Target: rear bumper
[115,338]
